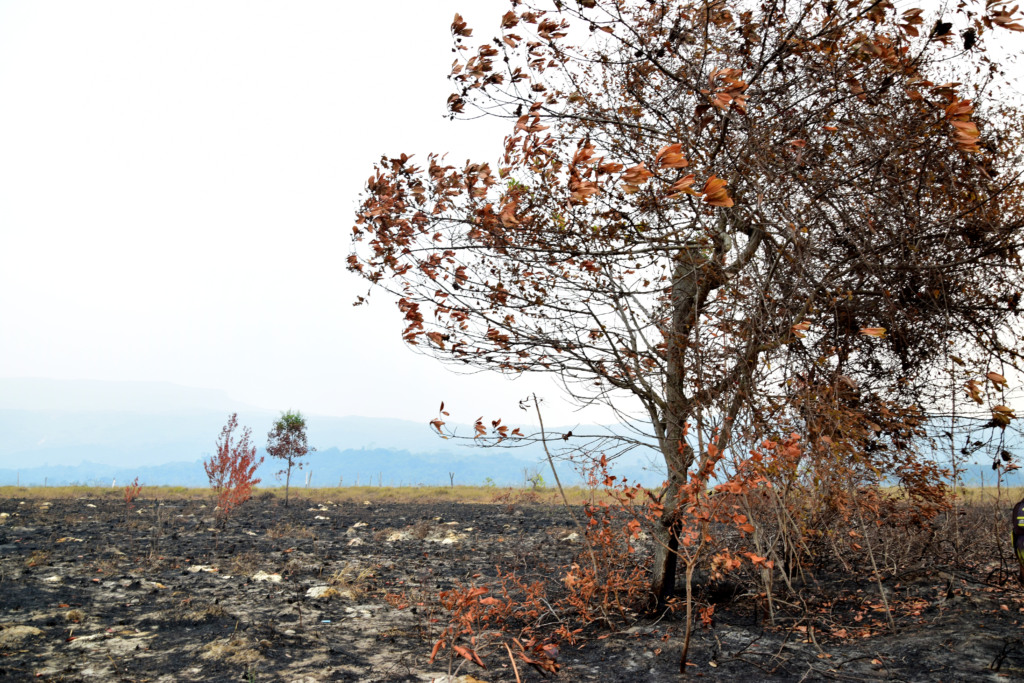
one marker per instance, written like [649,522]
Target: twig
[874,567]
[512,659]
[558,482]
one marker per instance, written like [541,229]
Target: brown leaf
[715,193]
[682,186]
[459,26]
[637,175]
[996,379]
[671,156]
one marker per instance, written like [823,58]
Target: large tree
[723,210]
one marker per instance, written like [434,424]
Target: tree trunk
[686,299]
[666,533]
[287,481]
[663,580]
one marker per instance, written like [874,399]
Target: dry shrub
[289,530]
[420,530]
[205,613]
[352,580]
[37,558]
[232,650]
[245,563]
[513,498]
[232,469]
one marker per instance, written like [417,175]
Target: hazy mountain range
[94,432]
[80,431]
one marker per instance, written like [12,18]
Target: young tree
[287,441]
[748,217]
[232,468]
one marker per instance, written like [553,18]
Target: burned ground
[322,591]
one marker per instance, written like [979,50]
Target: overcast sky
[177,186]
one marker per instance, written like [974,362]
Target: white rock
[52,579]
[321,517]
[356,542]
[571,538]
[451,538]
[395,536]
[317,592]
[196,568]
[264,576]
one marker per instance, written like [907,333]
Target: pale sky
[177,186]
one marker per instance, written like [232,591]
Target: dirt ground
[348,592]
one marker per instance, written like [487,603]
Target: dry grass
[990,494]
[245,564]
[289,530]
[350,581]
[347,494]
[234,650]
[37,558]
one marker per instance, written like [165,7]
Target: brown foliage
[232,468]
[749,220]
[131,492]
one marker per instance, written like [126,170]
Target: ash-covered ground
[320,591]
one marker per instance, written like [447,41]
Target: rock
[264,576]
[322,592]
[396,536]
[449,538]
[196,568]
[357,525]
[572,537]
[321,517]
[356,542]
[52,579]
[13,635]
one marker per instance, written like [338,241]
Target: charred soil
[319,591]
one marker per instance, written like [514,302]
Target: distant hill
[91,432]
[330,468]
